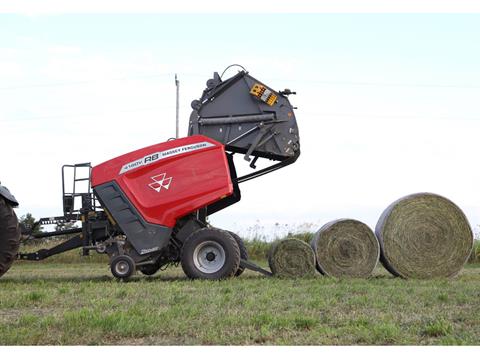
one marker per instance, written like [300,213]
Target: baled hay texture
[291,258]
[424,235]
[346,248]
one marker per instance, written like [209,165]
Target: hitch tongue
[252,266]
[72,243]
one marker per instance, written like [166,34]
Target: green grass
[475,255]
[79,303]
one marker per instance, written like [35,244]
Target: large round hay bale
[346,248]
[424,235]
[291,258]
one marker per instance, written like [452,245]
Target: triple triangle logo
[160,181]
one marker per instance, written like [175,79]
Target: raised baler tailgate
[170,180]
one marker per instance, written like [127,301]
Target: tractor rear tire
[9,236]
[243,252]
[210,253]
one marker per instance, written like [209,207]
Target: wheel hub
[122,267]
[209,257]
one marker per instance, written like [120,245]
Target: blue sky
[388,103]
[444,43]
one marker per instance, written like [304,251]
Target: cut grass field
[80,303]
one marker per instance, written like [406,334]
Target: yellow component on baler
[264,94]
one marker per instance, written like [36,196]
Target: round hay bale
[346,248]
[291,258]
[424,235]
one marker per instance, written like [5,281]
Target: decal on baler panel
[157,156]
[149,250]
[159,182]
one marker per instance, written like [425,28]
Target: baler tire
[243,251]
[9,236]
[122,272]
[211,242]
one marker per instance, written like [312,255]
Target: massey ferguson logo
[160,181]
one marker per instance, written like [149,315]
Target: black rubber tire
[149,269]
[122,273]
[9,236]
[243,251]
[221,238]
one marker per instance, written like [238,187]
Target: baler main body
[149,208]
[148,190]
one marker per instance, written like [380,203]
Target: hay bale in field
[346,248]
[291,258]
[424,235]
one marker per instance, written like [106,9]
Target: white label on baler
[157,156]
[265,95]
[149,250]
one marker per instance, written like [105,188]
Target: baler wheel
[9,236]
[210,253]
[243,251]
[149,269]
[122,267]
